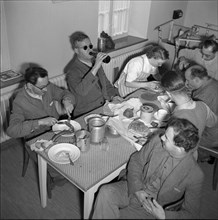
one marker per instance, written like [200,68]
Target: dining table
[94,167]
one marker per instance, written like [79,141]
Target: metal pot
[96,128]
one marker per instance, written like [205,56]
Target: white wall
[139,18]
[161,12]
[38,31]
[201,12]
[5,57]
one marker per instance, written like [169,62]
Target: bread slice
[138,127]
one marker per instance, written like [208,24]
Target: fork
[71,162]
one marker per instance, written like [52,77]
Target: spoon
[71,162]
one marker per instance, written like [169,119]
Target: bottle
[107,59]
[101,44]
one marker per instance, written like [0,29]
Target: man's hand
[183,63]
[49,121]
[117,99]
[98,62]
[68,106]
[141,196]
[152,207]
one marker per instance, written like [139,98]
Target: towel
[118,109]
[121,127]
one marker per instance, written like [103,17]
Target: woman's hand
[154,85]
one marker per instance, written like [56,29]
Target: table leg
[42,167]
[88,202]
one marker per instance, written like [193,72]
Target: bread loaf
[128,113]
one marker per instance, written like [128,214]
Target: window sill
[11,84]
[126,44]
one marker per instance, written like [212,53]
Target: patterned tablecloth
[93,165]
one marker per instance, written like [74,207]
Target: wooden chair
[214,153]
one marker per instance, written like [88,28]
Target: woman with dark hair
[138,69]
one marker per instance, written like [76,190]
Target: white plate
[88,117]
[56,128]
[58,153]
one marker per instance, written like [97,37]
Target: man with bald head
[204,88]
[206,55]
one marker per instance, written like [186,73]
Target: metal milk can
[96,128]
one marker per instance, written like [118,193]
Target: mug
[83,140]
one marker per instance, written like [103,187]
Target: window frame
[110,15]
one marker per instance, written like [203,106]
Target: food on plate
[138,127]
[128,113]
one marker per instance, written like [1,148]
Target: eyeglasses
[86,47]
[42,87]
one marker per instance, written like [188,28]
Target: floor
[20,195]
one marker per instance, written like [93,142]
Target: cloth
[209,94]
[90,91]
[195,55]
[137,69]
[121,123]
[26,111]
[201,116]
[117,200]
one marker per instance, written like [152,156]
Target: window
[113,18]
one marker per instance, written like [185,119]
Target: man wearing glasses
[34,108]
[206,55]
[85,76]
[35,111]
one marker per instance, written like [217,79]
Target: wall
[38,31]
[139,18]
[5,58]
[161,12]
[201,12]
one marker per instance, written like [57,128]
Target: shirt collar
[30,93]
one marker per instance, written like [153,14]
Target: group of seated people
[166,167]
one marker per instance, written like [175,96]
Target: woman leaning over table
[137,70]
[196,112]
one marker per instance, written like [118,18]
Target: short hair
[198,71]
[157,52]
[77,37]
[185,133]
[209,43]
[173,81]
[33,73]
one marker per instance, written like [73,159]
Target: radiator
[7,98]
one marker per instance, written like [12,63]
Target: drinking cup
[161,114]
